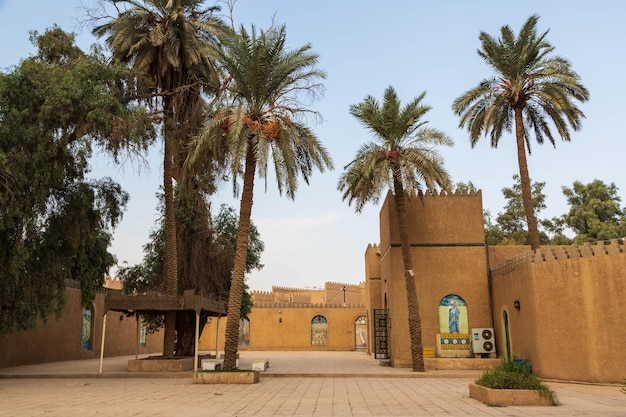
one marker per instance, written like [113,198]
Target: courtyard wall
[571,310]
[61,340]
[282,319]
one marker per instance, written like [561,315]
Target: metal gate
[381,335]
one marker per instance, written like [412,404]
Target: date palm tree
[171,44]
[262,126]
[530,88]
[402,159]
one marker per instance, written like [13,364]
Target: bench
[260,364]
[211,364]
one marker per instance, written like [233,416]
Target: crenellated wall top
[559,253]
[457,193]
[310,305]
[339,285]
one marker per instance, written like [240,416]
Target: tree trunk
[171,257]
[237,283]
[415,323]
[527,198]
[186,331]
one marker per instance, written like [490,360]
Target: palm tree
[530,88]
[170,43]
[400,159]
[262,125]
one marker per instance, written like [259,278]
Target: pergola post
[104,328]
[195,357]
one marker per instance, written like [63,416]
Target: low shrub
[514,375]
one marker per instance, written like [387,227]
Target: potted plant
[512,383]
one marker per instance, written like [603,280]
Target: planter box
[227,377]
[158,364]
[504,397]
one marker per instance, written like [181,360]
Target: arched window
[87,337]
[319,331]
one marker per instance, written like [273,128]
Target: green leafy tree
[531,88]
[595,212]
[226,224]
[55,224]
[400,159]
[493,233]
[509,227]
[512,220]
[172,43]
[262,126]
[216,238]
[465,188]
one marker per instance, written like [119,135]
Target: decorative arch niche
[87,333]
[319,331]
[453,315]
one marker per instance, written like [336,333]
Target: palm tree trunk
[527,199]
[415,323]
[171,257]
[237,282]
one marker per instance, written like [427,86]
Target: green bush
[514,375]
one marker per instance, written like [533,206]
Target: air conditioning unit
[483,340]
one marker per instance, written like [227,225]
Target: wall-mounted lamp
[516,305]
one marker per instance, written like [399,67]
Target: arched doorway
[360,333]
[507,335]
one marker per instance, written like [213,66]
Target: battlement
[262,296]
[309,305]
[340,286]
[435,217]
[457,193]
[308,296]
[558,253]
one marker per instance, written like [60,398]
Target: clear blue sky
[366,46]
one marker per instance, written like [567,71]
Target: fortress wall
[435,219]
[373,283]
[571,309]
[60,340]
[288,327]
[449,257]
[331,293]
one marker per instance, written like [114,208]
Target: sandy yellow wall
[449,257]
[570,321]
[289,328]
[60,340]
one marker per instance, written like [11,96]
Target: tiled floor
[296,384]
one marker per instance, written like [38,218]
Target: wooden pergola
[153,302]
